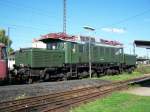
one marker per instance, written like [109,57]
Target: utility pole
[8,44]
[133,48]
[64,16]
[89,29]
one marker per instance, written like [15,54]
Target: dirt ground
[142,91]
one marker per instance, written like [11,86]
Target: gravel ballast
[13,92]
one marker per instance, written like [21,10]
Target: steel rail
[26,101]
[81,99]
[46,101]
[56,101]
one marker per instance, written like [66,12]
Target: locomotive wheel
[64,78]
[117,72]
[129,71]
[47,77]
[79,75]
[41,75]
[30,81]
[108,72]
[94,73]
[84,74]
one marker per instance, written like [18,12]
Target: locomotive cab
[55,45]
[3,62]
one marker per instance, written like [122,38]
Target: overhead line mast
[64,16]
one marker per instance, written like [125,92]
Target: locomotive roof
[62,37]
[105,45]
[56,37]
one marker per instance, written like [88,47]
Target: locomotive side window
[109,52]
[119,51]
[87,47]
[81,48]
[102,51]
[73,47]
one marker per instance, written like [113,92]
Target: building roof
[142,43]
[142,59]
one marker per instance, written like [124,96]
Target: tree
[5,40]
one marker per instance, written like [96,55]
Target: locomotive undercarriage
[68,71]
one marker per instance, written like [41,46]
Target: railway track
[60,102]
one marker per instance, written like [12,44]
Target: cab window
[55,46]
[3,53]
[0,53]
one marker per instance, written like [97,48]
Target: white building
[38,44]
[11,61]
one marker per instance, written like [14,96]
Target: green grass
[124,76]
[140,71]
[117,102]
[143,69]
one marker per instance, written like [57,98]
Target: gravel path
[22,91]
[142,91]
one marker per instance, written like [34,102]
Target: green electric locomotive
[64,59]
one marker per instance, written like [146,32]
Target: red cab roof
[56,36]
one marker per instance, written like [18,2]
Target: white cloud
[114,30]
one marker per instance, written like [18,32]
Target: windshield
[3,53]
[119,51]
[55,46]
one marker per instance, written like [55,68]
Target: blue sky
[122,20]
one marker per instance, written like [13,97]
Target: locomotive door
[121,56]
[71,58]
[71,53]
[74,53]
